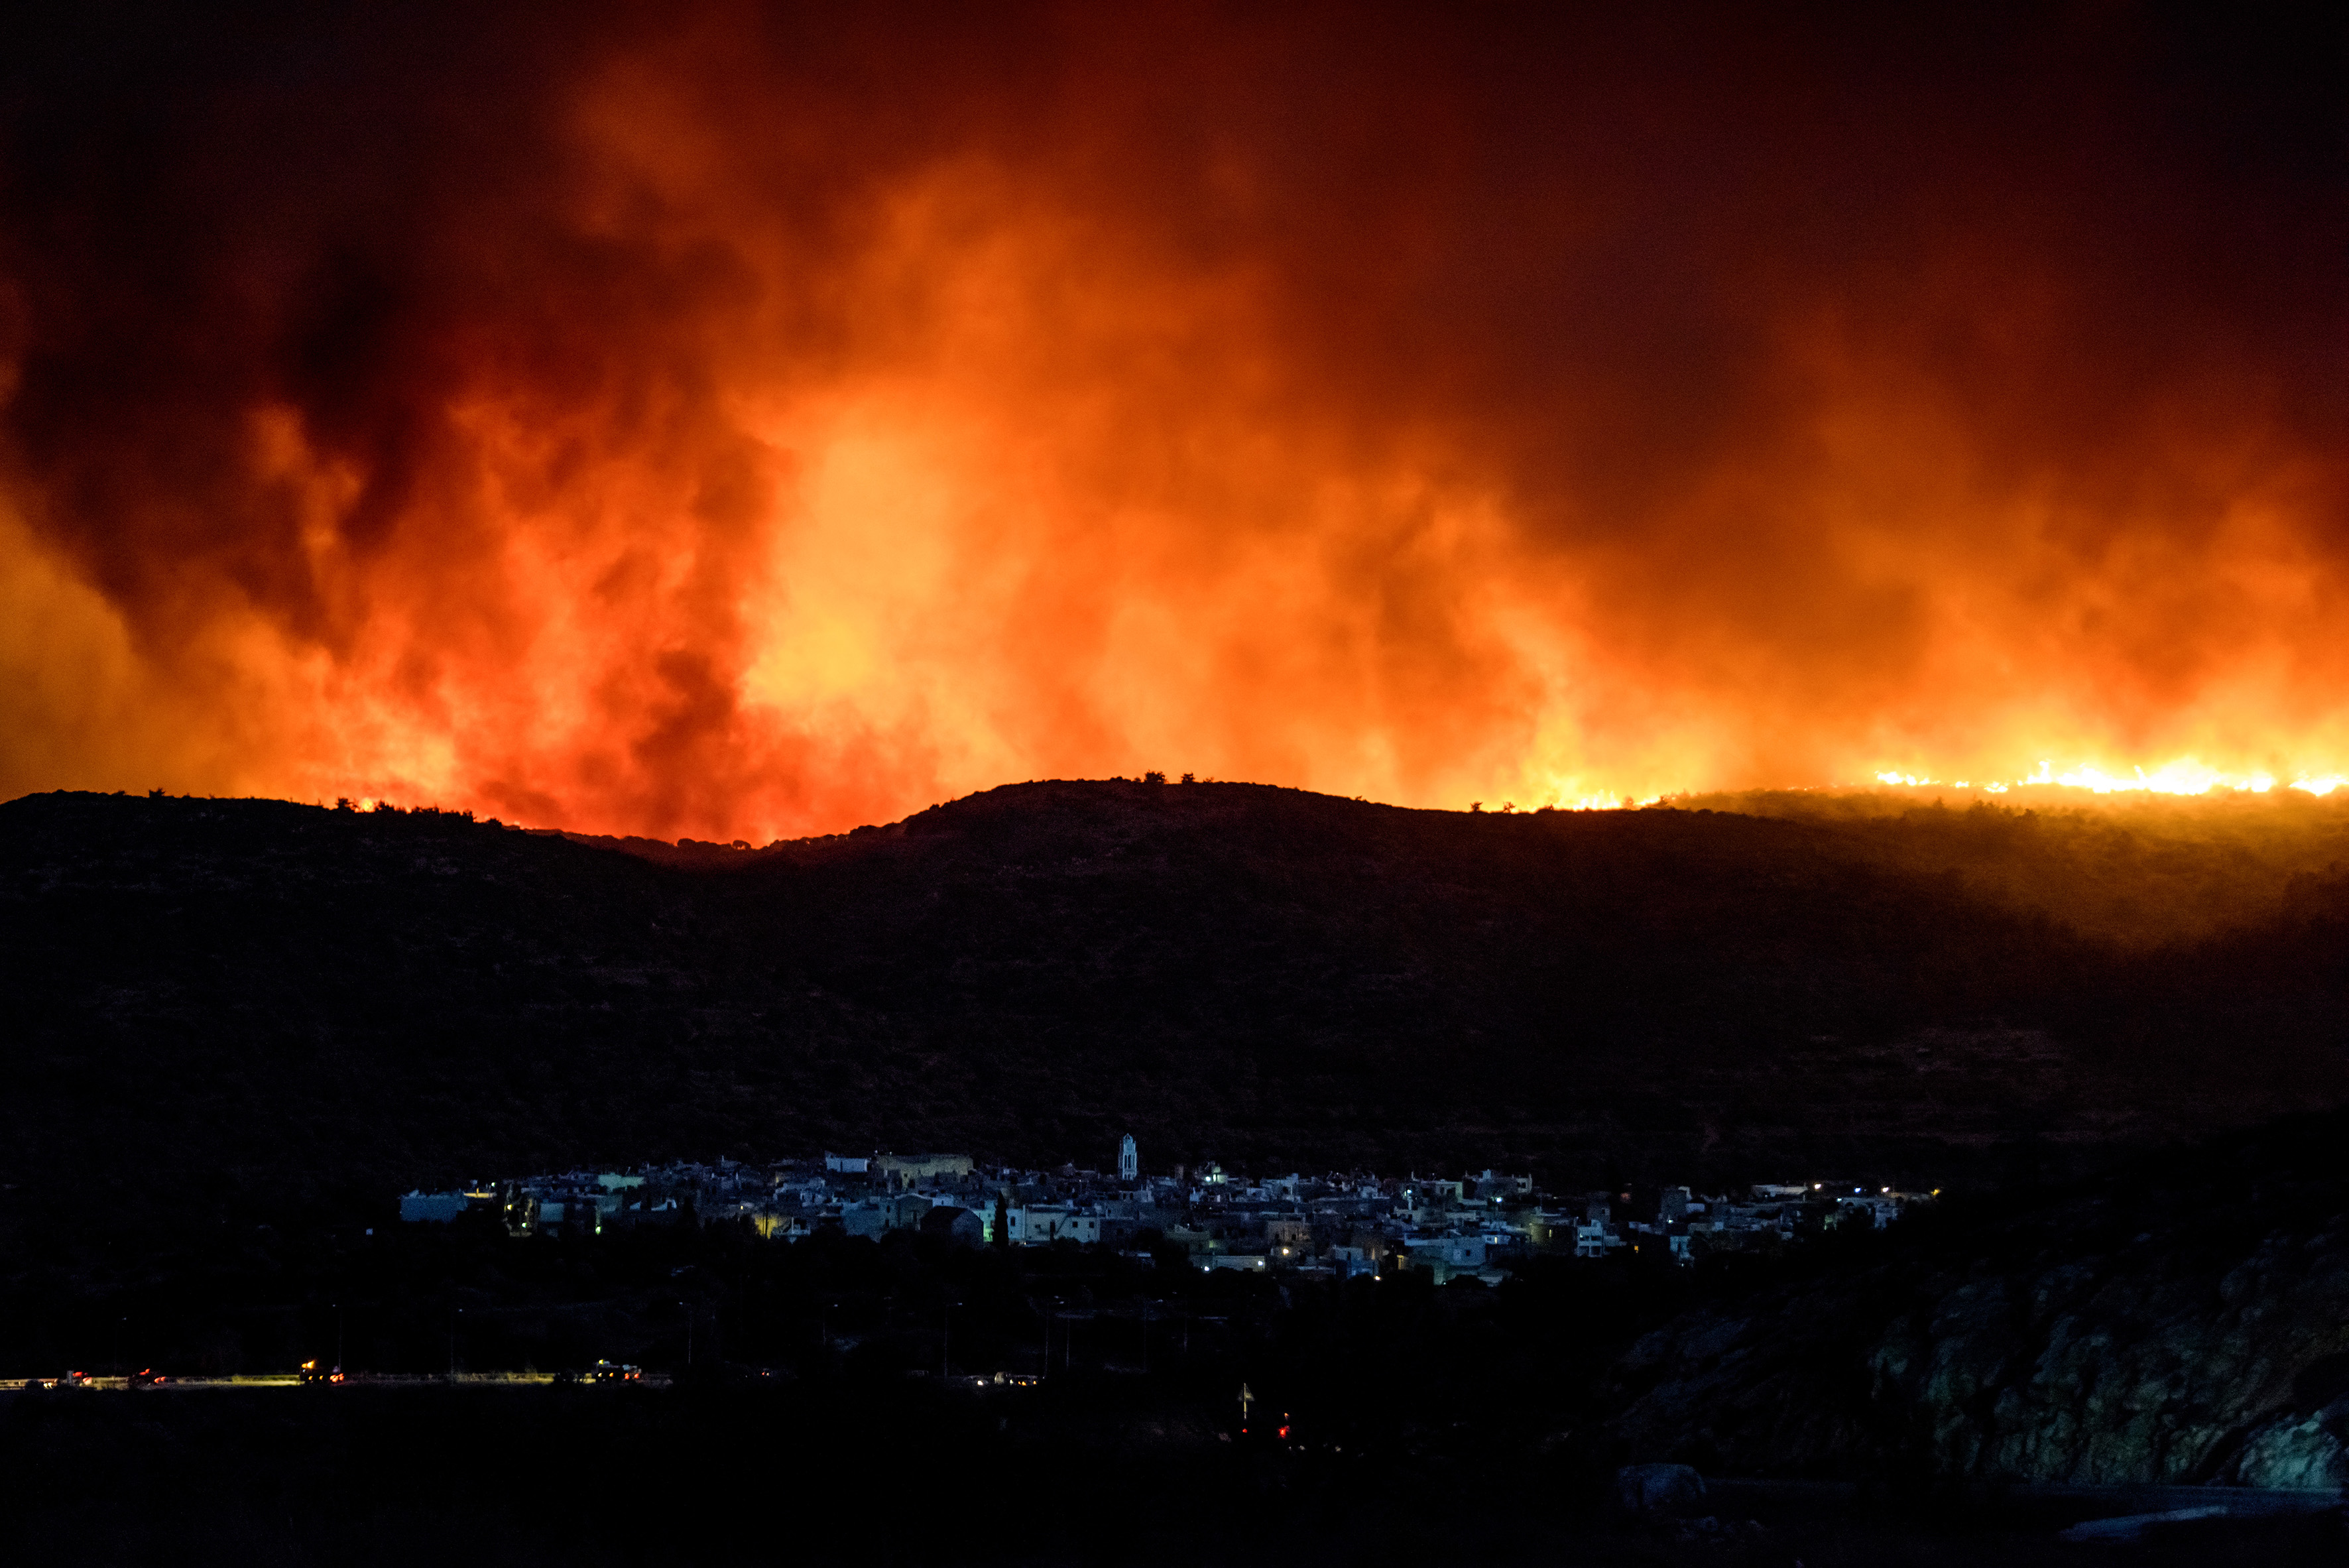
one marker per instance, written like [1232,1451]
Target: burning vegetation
[742,422]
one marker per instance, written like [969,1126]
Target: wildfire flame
[741,421]
[2183,776]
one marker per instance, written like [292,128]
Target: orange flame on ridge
[695,440]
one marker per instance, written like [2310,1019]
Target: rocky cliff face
[2120,1369]
[2188,1330]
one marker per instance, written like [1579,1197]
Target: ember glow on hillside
[741,422]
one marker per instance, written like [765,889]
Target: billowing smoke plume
[736,420]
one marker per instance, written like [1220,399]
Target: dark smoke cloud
[739,420]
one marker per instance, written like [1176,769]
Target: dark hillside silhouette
[219,1001]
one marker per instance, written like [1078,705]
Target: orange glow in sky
[746,422]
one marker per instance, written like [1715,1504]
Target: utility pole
[339,1337]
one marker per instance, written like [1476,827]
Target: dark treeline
[814,1414]
[717,1303]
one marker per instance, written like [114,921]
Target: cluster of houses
[1333,1225]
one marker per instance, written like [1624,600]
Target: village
[1335,1225]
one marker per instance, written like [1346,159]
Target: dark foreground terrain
[1957,1389]
[220,1004]
[911,1475]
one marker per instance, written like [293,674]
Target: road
[293,1380]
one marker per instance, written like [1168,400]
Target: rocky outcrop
[1656,1492]
[2121,1369]
[2210,1348]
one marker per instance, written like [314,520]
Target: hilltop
[232,1000]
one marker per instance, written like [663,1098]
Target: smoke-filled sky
[736,420]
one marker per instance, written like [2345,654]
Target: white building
[1041,1224]
[1129,1160]
[1592,1239]
[1454,1253]
[436,1208]
[1880,1209]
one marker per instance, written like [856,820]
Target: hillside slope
[213,996]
